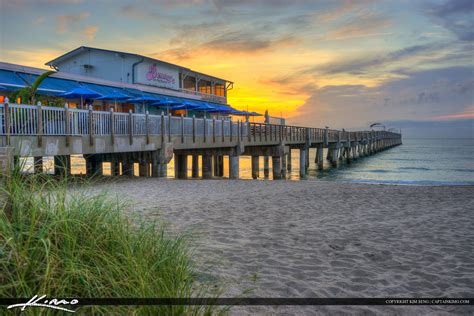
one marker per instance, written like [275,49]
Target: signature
[40,301]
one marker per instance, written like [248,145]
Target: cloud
[364,25]
[237,41]
[64,22]
[437,94]
[466,114]
[230,43]
[456,16]
[362,65]
[89,32]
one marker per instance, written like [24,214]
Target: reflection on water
[417,161]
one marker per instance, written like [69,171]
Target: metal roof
[87,48]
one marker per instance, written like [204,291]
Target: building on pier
[106,72]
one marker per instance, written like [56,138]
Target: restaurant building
[151,84]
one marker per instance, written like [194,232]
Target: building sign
[159,75]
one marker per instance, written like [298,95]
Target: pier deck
[152,140]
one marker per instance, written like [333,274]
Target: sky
[343,64]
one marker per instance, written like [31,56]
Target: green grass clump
[81,245]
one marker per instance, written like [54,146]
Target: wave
[414,168]
[416,182]
[377,171]
[463,170]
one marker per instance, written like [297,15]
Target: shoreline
[319,238]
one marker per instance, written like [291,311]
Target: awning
[50,85]
[79,93]
[115,96]
[103,90]
[9,79]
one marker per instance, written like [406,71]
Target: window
[189,83]
[219,90]
[205,86]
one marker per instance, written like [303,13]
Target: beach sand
[320,239]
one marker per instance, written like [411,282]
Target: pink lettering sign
[154,75]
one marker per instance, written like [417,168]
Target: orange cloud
[467,114]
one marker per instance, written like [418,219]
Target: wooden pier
[123,139]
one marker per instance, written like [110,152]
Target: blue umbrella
[186,106]
[80,92]
[3,88]
[167,104]
[116,96]
[144,99]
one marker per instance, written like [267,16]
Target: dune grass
[81,245]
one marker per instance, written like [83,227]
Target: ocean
[416,162]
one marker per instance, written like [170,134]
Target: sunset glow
[313,63]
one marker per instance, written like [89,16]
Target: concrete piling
[195,167]
[38,164]
[181,166]
[233,167]
[218,165]
[334,156]
[207,167]
[283,166]
[288,161]
[303,163]
[320,157]
[62,165]
[255,167]
[114,168]
[266,167]
[276,167]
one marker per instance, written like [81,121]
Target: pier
[151,141]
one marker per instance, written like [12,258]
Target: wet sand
[320,239]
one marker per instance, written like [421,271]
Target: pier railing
[24,120]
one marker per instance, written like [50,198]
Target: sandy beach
[320,239]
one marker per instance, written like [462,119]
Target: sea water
[416,161]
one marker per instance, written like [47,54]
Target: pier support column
[334,156]
[62,165]
[255,167]
[219,165]
[355,152]
[114,167]
[329,154]
[266,167]
[38,164]
[206,166]
[288,162]
[348,150]
[303,163]
[127,166]
[307,159]
[283,166]
[181,166]
[155,164]
[163,170]
[276,167]
[142,169]
[233,166]
[320,157]
[195,170]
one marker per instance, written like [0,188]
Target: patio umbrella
[167,104]
[80,93]
[115,96]
[144,99]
